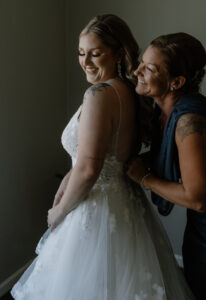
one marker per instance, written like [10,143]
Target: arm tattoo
[97,87]
[189,124]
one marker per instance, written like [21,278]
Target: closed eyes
[150,69]
[92,54]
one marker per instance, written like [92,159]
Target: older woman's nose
[139,70]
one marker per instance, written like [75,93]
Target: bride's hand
[55,216]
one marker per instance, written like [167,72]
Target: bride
[104,242]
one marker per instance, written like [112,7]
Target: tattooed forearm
[189,124]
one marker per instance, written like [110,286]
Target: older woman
[170,72]
[100,246]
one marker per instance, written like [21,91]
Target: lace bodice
[111,168]
[70,136]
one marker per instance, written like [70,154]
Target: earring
[119,69]
[171,89]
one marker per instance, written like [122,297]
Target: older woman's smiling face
[96,59]
[153,77]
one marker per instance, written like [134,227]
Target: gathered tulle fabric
[111,247]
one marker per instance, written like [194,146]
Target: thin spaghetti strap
[120,118]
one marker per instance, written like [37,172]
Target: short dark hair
[185,56]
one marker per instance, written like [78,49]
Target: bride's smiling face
[96,59]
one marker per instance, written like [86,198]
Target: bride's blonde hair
[115,33]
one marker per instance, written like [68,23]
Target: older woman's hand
[137,169]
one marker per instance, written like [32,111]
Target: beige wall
[32,117]
[147,19]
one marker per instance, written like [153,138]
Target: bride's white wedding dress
[111,247]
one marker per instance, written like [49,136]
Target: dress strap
[116,135]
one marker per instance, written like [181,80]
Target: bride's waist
[115,182]
[105,177]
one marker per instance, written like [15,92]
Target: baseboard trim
[7,284]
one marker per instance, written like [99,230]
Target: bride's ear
[178,82]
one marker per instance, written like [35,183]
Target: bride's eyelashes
[92,54]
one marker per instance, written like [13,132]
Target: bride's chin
[92,80]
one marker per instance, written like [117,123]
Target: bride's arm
[95,131]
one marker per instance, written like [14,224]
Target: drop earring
[171,89]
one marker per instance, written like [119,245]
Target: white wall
[147,20]
[32,117]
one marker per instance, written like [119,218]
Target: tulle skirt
[111,247]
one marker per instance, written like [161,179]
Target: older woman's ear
[178,83]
